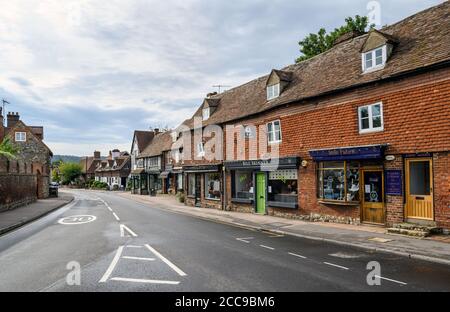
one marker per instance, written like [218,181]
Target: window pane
[269,127]
[191,184]
[368,59]
[276,125]
[379,57]
[378,52]
[278,136]
[419,178]
[364,112]
[376,110]
[212,185]
[353,184]
[243,184]
[373,187]
[376,121]
[365,123]
[333,184]
[283,186]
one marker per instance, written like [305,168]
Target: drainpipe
[224,187]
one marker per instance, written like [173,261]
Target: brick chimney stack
[97,155]
[12,118]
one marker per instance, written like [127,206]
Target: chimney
[12,118]
[115,153]
[156,130]
[211,94]
[97,155]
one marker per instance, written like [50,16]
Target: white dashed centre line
[296,255]
[267,247]
[115,216]
[391,280]
[336,265]
[244,239]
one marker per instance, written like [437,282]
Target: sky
[92,71]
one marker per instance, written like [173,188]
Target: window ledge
[371,131]
[338,203]
[213,199]
[242,200]
[282,204]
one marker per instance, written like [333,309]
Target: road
[130,246]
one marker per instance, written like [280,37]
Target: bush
[181,197]
[98,185]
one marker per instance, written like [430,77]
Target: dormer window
[374,59]
[273,91]
[205,113]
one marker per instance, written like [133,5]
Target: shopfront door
[261,192]
[419,188]
[372,199]
[198,188]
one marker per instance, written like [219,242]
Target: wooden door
[373,196]
[261,192]
[419,188]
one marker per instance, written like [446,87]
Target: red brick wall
[441,169]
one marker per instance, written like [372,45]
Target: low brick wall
[17,190]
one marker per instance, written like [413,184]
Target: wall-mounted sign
[390,157]
[394,185]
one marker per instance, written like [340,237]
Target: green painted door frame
[261,192]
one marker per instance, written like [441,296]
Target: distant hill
[66,158]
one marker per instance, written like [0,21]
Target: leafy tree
[315,44]
[55,175]
[8,149]
[69,172]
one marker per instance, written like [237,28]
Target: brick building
[89,164]
[114,170]
[359,133]
[27,177]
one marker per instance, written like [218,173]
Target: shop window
[191,184]
[370,118]
[180,182]
[338,181]
[282,186]
[212,186]
[243,185]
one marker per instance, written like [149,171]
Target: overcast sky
[91,72]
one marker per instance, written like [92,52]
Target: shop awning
[164,174]
[138,171]
[201,168]
[264,165]
[349,153]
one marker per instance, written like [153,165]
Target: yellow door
[419,188]
[372,199]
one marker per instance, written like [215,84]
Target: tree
[69,172]
[55,175]
[8,149]
[315,44]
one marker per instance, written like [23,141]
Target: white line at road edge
[267,247]
[137,280]
[138,258]
[160,256]
[337,266]
[115,216]
[112,265]
[123,227]
[296,255]
[391,280]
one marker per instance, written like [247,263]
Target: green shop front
[256,185]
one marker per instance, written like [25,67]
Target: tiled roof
[160,143]
[422,40]
[143,138]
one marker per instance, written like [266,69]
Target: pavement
[105,241]
[375,238]
[12,219]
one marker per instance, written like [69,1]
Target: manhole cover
[79,219]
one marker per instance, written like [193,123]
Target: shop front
[352,178]
[139,182]
[257,185]
[204,186]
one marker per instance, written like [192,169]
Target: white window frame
[273,91]
[369,110]
[200,150]
[269,132]
[374,66]
[205,113]
[20,136]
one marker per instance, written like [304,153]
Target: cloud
[93,71]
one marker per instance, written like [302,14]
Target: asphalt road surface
[123,245]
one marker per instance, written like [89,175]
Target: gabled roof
[376,39]
[160,143]
[423,41]
[281,74]
[143,139]
[9,130]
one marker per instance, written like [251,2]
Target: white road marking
[137,280]
[115,216]
[296,255]
[170,264]
[391,280]
[337,266]
[123,227]
[133,246]
[109,208]
[264,246]
[244,239]
[138,258]
[112,265]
